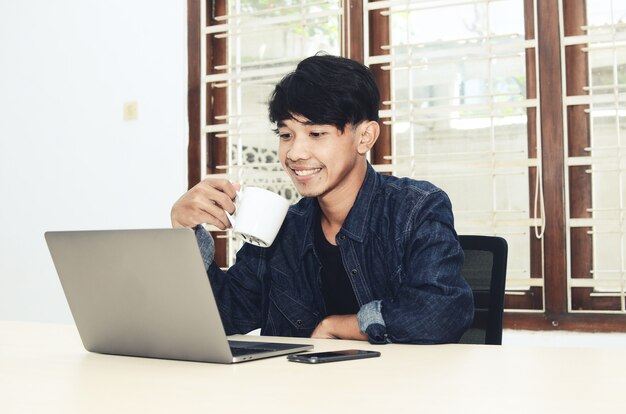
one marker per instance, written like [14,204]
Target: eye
[284,136]
[317,134]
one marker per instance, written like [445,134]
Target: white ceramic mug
[258,215]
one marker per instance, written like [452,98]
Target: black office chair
[485,271]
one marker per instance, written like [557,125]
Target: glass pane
[603,74]
[608,174]
[266,39]
[606,13]
[508,82]
[506,17]
[459,112]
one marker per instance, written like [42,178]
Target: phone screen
[343,355]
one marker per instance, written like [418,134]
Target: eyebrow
[308,122]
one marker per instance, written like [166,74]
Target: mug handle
[238,199]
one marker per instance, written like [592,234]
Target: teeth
[306,172]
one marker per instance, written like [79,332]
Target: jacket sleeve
[435,303]
[238,292]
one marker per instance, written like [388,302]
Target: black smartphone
[343,355]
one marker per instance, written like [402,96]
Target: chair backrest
[485,271]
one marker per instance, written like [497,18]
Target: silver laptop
[145,293]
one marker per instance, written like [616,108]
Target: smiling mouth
[304,173]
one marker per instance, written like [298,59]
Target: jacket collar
[355,225]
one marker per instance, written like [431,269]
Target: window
[250,45]
[595,105]
[458,112]
[514,107]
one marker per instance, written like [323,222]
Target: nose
[298,149]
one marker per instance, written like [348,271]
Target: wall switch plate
[131,111]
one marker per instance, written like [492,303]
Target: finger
[223,201]
[224,186]
[207,195]
[216,215]
[192,219]
[196,209]
[215,222]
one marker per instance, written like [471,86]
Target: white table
[45,369]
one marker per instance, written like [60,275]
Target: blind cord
[539,197]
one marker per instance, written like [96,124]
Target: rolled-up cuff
[371,322]
[206,244]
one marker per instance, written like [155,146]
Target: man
[363,255]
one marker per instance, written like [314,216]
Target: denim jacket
[399,249]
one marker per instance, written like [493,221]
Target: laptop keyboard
[247,351]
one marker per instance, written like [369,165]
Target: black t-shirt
[336,287]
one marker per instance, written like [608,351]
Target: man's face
[318,158]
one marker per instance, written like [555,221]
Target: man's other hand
[339,327]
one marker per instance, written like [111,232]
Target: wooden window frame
[556,315]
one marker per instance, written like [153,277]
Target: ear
[368,133]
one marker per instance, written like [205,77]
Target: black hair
[327,90]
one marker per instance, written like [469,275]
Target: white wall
[67,158]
